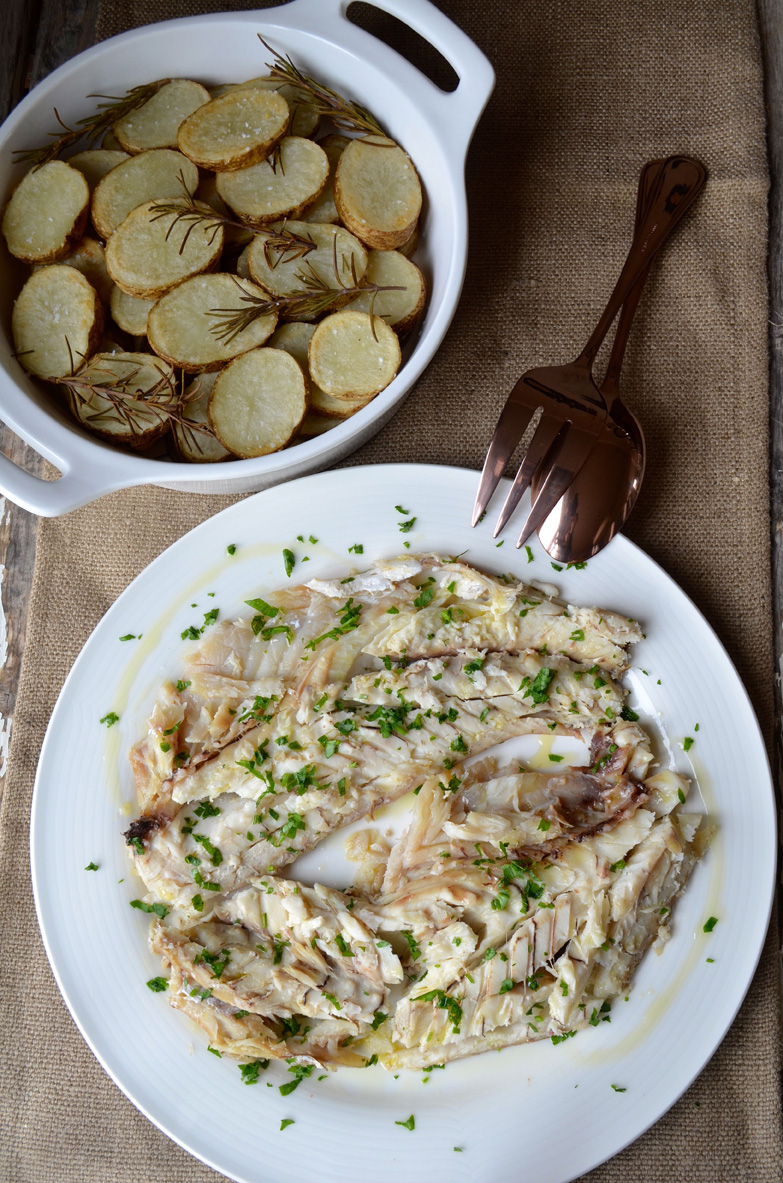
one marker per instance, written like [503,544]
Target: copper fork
[573,410]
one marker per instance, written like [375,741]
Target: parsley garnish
[159,909]
[688,743]
[286,1122]
[301,1072]
[415,951]
[410,1124]
[617,1088]
[91,867]
[378,1018]
[406,526]
[182,686]
[444,1001]
[157,985]
[539,687]
[110,719]
[249,1072]
[506,985]
[404,512]
[578,634]
[424,597]
[356,549]
[198,903]
[129,637]
[343,945]
[568,1034]
[629,715]
[713,920]
[231,549]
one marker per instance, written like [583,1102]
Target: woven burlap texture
[586,93]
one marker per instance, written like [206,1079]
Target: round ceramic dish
[434,127]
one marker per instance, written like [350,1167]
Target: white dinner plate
[551,1107]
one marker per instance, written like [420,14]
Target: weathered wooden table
[40,36]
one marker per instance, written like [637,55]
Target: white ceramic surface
[551,1108]
[435,128]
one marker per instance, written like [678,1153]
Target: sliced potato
[258,402]
[304,116]
[207,193]
[156,123]
[129,312]
[195,444]
[280,256]
[323,209]
[353,355]
[139,387]
[57,322]
[400,307]
[182,328]
[95,163]
[155,175]
[408,248]
[47,213]
[88,256]
[261,193]
[378,193]
[144,262]
[111,142]
[234,131]
[294,338]
[314,424]
[243,270]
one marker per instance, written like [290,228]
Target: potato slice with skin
[111,142]
[408,248]
[181,329]
[283,277]
[323,209]
[243,270]
[260,194]
[95,163]
[258,402]
[156,123]
[314,424]
[144,262]
[155,175]
[378,193]
[196,446]
[88,256]
[399,308]
[234,131]
[129,313]
[127,419]
[304,116]
[47,213]
[353,355]
[294,338]
[55,309]
[208,194]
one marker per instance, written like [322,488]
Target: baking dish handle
[50,499]
[456,113]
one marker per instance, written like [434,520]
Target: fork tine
[511,427]
[572,454]
[541,445]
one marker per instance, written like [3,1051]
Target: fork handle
[680,182]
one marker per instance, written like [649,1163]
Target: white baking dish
[434,127]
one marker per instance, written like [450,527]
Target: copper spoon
[599,500]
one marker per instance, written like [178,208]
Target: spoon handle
[611,383]
[680,181]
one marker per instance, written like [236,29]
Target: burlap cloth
[586,92]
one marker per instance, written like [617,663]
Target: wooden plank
[19,32]
[771,30]
[65,28]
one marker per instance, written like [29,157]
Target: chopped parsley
[713,920]
[410,1124]
[424,597]
[231,549]
[198,903]
[91,867]
[544,824]
[300,1072]
[629,715]
[249,1072]
[129,637]
[404,512]
[578,634]
[444,1001]
[356,549]
[289,561]
[568,1034]
[405,527]
[158,985]
[343,945]
[286,1122]
[555,759]
[617,1088]
[500,902]
[539,687]
[688,743]
[182,686]
[110,719]
[506,985]
[159,909]
[378,1018]
[415,951]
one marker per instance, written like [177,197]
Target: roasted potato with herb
[258,402]
[47,213]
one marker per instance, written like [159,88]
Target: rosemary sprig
[343,112]
[188,212]
[315,298]
[127,402]
[92,127]
[287,245]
